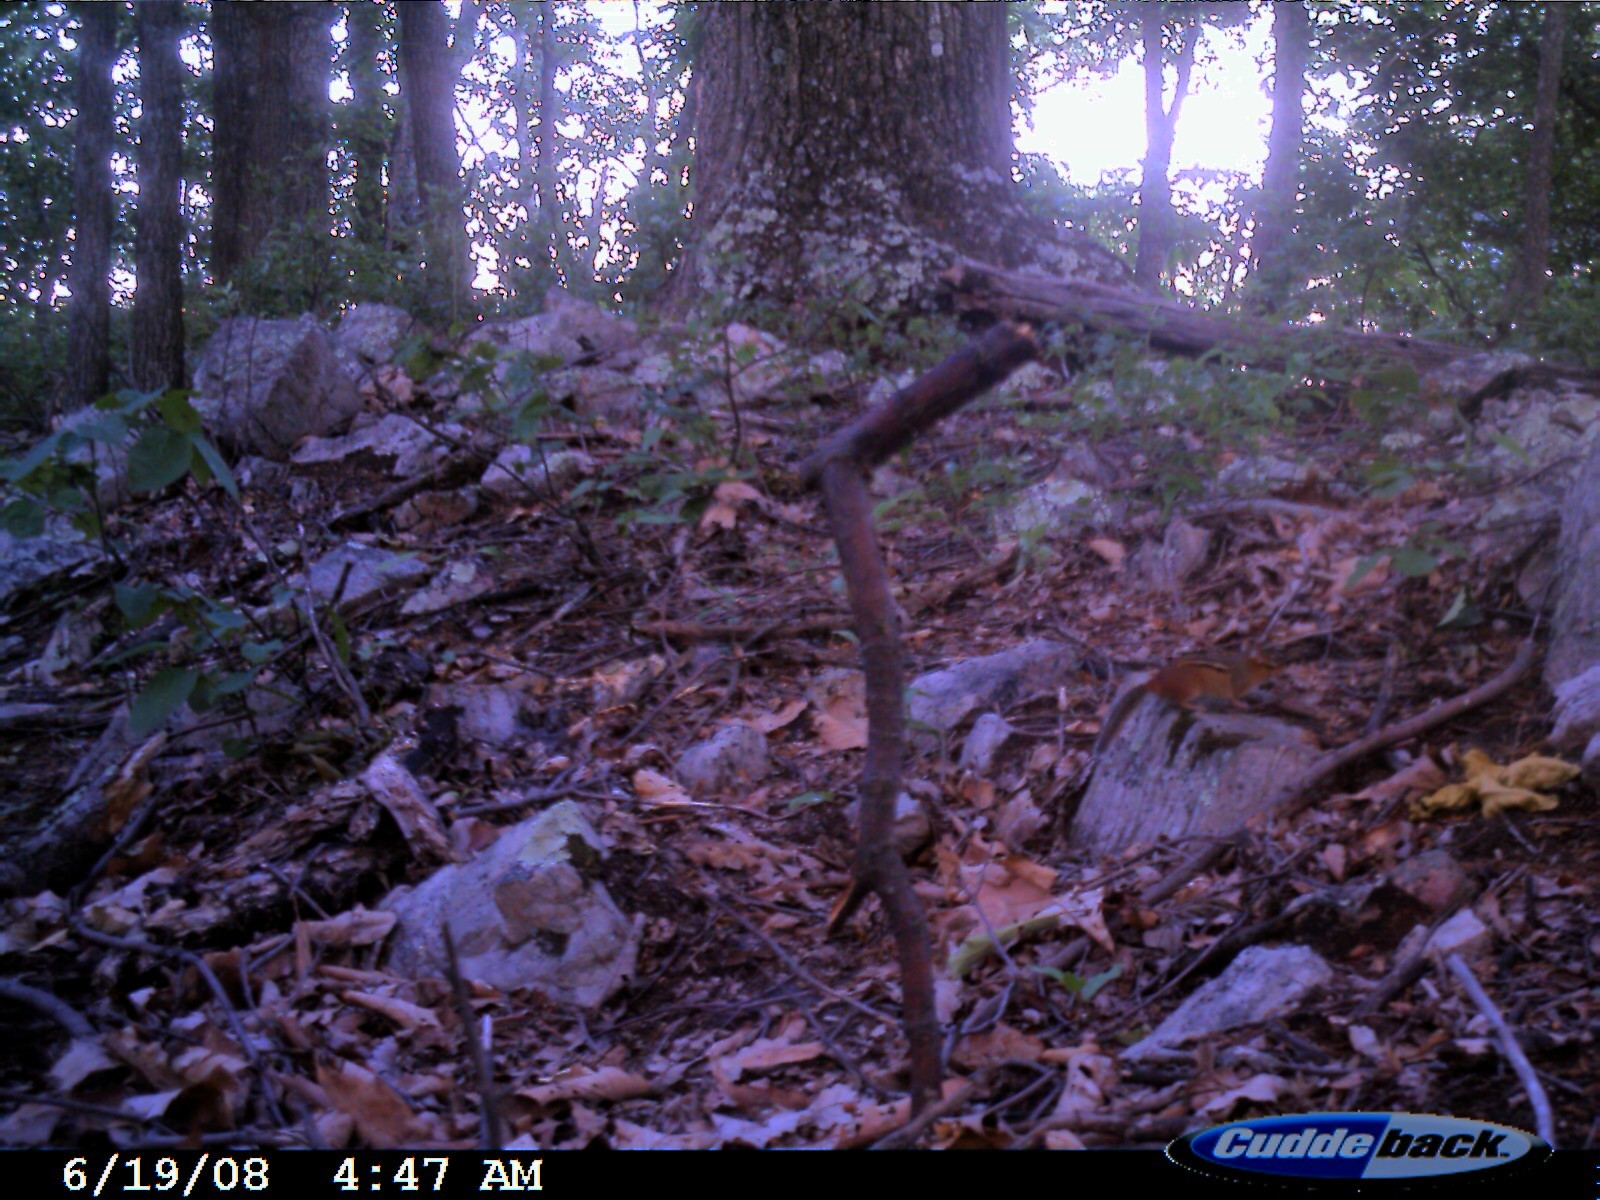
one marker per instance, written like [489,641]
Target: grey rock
[1475,376]
[411,447]
[373,332]
[520,472]
[491,713]
[453,584]
[1263,473]
[1055,503]
[526,912]
[539,335]
[265,384]
[597,331]
[1575,623]
[942,699]
[26,561]
[1263,982]
[370,570]
[989,734]
[734,757]
[1577,713]
[1175,773]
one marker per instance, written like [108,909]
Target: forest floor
[743,1023]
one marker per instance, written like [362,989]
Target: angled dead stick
[838,470]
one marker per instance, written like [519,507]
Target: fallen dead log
[1174,328]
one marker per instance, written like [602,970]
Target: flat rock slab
[1174,773]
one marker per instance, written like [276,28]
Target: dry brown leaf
[1348,580]
[380,1113]
[82,1058]
[403,1013]
[607,1083]
[658,789]
[997,1045]
[723,511]
[357,927]
[840,712]
[1258,1089]
[1109,549]
[764,1055]
[773,721]
[1421,775]
[30,1125]
[398,791]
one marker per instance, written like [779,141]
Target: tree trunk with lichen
[857,149]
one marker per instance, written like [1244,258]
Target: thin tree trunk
[368,135]
[544,178]
[513,240]
[87,371]
[156,349]
[1528,279]
[1160,122]
[1280,180]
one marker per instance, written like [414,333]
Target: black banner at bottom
[326,1174]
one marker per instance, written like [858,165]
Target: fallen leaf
[607,1083]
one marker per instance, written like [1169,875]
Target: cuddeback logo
[1335,1148]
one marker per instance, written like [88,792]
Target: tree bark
[428,78]
[1527,284]
[156,344]
[368,134]
[544,169]
[270,140]
[88,367]
[1156,236]
[1280,180]
[866,142]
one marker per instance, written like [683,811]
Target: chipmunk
[1185,683]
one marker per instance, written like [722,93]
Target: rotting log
[838,469]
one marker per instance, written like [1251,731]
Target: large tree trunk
[156,349]
[88,365]
[427,75]
[368,134]
[1280,181]
[270,141]
[858,148]
[1156,235]
[1527,283]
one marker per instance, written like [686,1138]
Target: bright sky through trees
[1095,126]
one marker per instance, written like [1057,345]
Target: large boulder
[265,384]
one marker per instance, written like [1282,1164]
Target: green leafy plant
[160,433]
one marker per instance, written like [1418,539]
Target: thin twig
[482,1068]
[1544,1121]
[51,1005]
